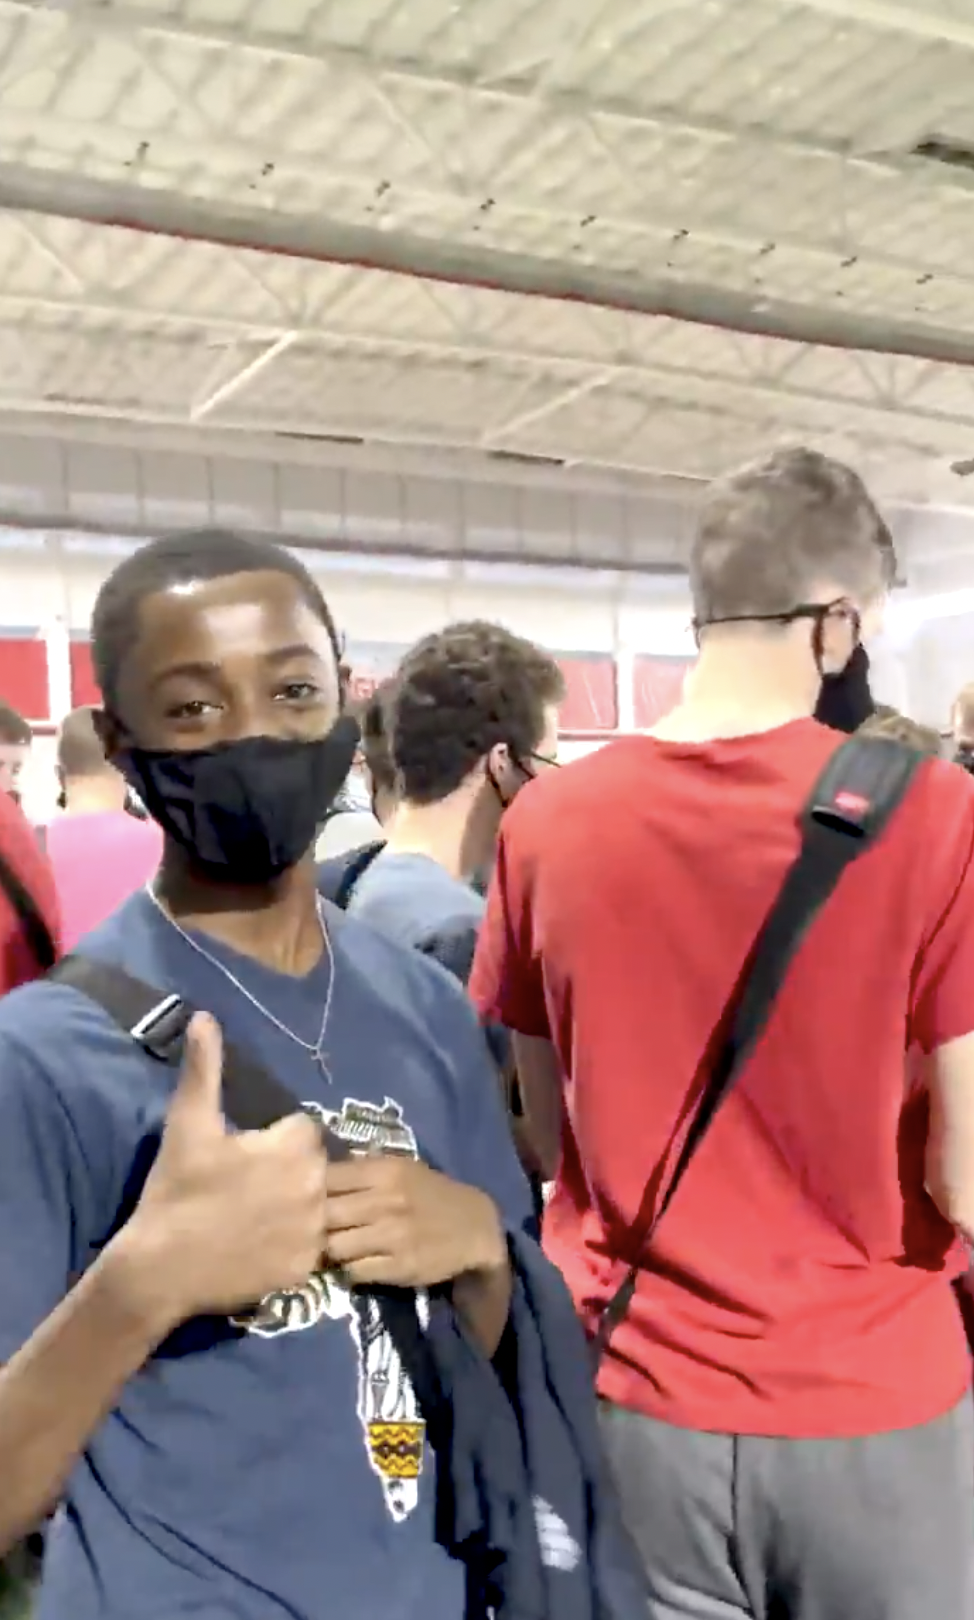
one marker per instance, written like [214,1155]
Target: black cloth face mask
[964,757]
[245,811]
[845,702]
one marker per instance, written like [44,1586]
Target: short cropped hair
[900,728]
[963,707]
[772,533]
[79,748]
[459,693]
[376,743]
[14,730]
[183,559]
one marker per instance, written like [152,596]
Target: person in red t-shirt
[30,922]
[787,1401]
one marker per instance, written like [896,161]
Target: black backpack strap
[355,869]
[338,875]
[43,946]
[252,1100]
[860,789]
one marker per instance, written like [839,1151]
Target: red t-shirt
[800,1283]
[21,851]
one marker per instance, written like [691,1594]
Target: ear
[498,762]
[109,731]
[344,684]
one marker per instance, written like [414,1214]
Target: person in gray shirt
[472,716]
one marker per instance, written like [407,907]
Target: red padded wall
[658,684]
[84,688]
[23,673]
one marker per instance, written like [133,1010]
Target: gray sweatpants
[880,1528]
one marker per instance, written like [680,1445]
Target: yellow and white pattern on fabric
[388,1411]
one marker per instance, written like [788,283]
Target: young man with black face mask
[216,1459]
[472,718]
[787,1397]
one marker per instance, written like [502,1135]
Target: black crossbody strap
[861,787]
[252,1100]
[354,871]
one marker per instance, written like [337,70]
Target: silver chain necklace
[314,1049]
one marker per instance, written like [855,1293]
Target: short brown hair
[900,728]
[79,748]
[376,747]
[14,730]
[774,532]
[963,706]
[459,693]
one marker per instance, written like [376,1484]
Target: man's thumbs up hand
[196,1107]
[225,1217]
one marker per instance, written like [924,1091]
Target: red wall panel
[591,692]
[591,699]
[657,687]
[84,687]
[23,674]
[371,663]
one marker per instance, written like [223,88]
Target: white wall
[925,656]
[50,579]
[129,479]
[933,627]
[390,599]
[369,498]
[919,664]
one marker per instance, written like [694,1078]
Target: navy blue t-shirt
[277,1474]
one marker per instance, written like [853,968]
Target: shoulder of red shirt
[20,849]
[937,818]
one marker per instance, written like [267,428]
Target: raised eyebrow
[196,669]
[284,655]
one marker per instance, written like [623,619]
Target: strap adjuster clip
[161,1030]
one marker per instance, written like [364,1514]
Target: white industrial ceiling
[803,168]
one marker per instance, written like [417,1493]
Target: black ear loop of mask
[818,612]
[519,765]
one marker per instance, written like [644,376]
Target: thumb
[198,1098]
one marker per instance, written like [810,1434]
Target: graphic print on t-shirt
[388,1411]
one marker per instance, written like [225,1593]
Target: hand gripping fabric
[252,1100]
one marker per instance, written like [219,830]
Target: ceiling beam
[242,377]
[572,376]
[530,92]
[659,230]
[560,401]
[920,21]
[309,237]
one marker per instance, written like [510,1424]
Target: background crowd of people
[502,988]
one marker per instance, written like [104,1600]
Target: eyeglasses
[538,759]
